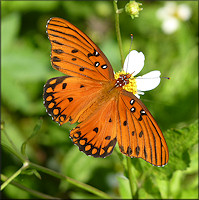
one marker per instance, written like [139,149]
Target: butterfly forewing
[74,53]
[140,135]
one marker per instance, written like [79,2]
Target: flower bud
[133,8]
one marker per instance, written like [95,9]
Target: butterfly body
[89,94]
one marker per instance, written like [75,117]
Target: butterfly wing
[97,135]
[139,134]
[68,98]
[76,97]
[74,53]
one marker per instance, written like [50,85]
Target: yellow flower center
[131,86]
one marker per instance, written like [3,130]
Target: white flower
[184,12]
[170,25]
[171,15]
[133,64]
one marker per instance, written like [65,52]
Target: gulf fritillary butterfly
[89,94]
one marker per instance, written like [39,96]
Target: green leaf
[150,189]
[34,133]
[31,172]
[37,174]
[20,71]
[27,6]
[10,26]
[180,143]
[124,187]
[75,165]
[163,186]
[9,132]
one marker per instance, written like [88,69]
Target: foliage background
[25,67]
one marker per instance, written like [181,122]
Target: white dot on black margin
[132,101]
[97,64]
[104,66]
[142,112]
[96,53]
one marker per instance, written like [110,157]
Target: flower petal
[170,25]
[137,95]
[148,81]
[184,12]
[134,62]
[167,11]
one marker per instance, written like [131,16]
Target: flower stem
[31,191]
[10,141]
[25,165]
[70,180]
[117,27]
[50,172]
[128,159]
[130,175]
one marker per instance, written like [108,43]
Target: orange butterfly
[89,94]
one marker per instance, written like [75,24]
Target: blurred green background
[25,68]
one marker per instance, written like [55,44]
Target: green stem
[31,191]
[130,175]
[118,34]
[119,39]
[52,173]
[25,165]
[70,180]
[11,142]
[13,152]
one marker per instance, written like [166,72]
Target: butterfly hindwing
[97,135]
[74,53]
[139,135]
[66,98]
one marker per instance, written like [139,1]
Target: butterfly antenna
[129,52]
[153,77]
[166,77]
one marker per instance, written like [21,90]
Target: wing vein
[74,31]
[75,65]
[69,41]
[69,35]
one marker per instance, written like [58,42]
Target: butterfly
[89,94]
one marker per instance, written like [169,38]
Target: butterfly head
[126,81]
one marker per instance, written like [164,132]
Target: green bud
[133,8]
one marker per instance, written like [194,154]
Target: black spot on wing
[58,51]
[70,99]
[74,51]
[129,151]
[56,59]
[81,69]
[125,123]
[137,150]
[96,129]
[140,134]
[64,85]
